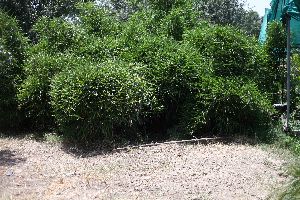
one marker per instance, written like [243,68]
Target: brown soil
[40,170]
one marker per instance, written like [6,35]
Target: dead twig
[170,142]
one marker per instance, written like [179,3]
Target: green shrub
[204,79]
[93,101]
[275,48]
[181,76]
[226,107]
[172,68]
[233,54]
[33,95]
[166,5]
[97,21]
[99,49]
[61,45]
[296,60]
[228,99]
[12,54]
[178,21]
[57,36]
[292,144]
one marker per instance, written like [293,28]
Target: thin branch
[170,142]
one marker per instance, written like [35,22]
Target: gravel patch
[38,170]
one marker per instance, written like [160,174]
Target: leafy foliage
[33,93]
[295,92]
[229,12]
[95,100]
[57,35]
[251,23]
[232,54]
[222,12]
[166,5]
[12,54]
[226,107]
[276,42]
[98,76]
[29,11]
[177,21]
[276,49]
[96,20]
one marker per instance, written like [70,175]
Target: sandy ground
[39,170]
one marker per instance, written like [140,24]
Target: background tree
[251,23]
[229,12]
[221,12]
[27,12]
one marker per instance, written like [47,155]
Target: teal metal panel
[264,26]
[280,8]
[295,32]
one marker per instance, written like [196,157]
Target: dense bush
[172,68]
[160,70]
[93,101]
[275,47]
[179,20]
[33,93]
[229,99]
[166,5]
[61,45]
[227,107]
[231,52]
[57,36]
[12,55]
[97,21]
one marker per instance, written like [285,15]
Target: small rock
[9,172]
[71,174]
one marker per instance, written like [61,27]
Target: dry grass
[40,170]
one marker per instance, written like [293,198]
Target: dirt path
[36,170]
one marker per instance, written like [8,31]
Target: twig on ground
[170,142]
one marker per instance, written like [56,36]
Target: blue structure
[279,10]
[287,11]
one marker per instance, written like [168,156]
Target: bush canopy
[159,72]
